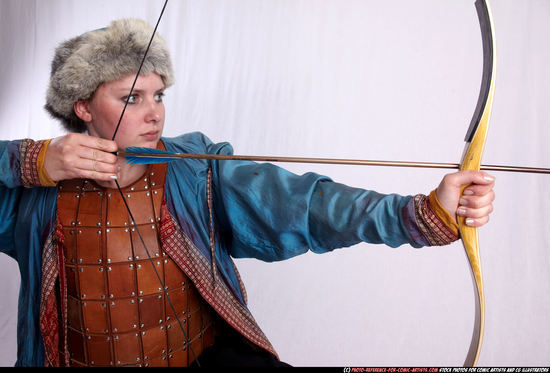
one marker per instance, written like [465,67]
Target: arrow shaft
[357,162]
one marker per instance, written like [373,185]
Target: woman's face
[143,119]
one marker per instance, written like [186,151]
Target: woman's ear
[82,110]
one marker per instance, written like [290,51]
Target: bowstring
[188,341]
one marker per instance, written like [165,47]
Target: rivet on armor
[79,231]
[98,232]
[108,223]
[155,192]
[153,226]
[132,188]
[153,183]
[83,296]
[138,359]
[135,327]
[108,338]
[133,293]
[167,318]
[99,260]
[109,268]
[115,330]
[137,257]
[100,269]
[132,301]
[168,326]
[107,230]
[143,333]
[80,260]
[128,195]
[98,224]
[139,266]
[108,260]
[142,325]
[131,266]
[109,195]
[146,187]
[133,229]
[159,289]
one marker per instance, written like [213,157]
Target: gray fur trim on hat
[83,63]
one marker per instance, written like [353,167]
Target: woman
[145,276]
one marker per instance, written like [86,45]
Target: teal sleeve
[273,214]
[10,193]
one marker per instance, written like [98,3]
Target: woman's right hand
[77,155]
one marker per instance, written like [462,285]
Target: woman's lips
[150,135]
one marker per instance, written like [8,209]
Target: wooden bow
[471,160]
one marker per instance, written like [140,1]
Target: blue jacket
[260,211]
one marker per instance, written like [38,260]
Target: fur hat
[83,63]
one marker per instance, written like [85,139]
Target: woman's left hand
[476,202]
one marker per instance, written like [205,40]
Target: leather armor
[117,310]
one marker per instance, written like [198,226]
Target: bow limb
[471,160]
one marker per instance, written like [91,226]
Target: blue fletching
[147,160]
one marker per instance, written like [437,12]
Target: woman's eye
[159,96]
[132,99]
